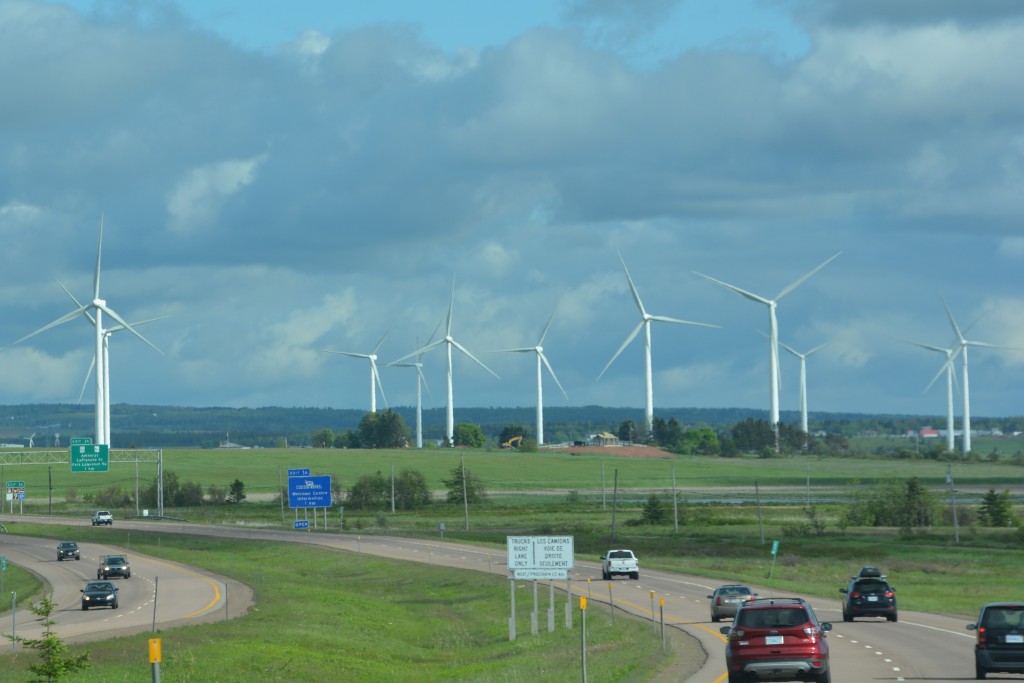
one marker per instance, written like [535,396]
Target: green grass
[339,616]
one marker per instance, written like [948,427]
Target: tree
[752,435]
[370,492]
[236,494]
[996,509]
[383,430]
[55,664]
[474,488]
[702,441]
[666,434]
[323,438]
[627,431]
[411,492]
[654,510]
[469,435]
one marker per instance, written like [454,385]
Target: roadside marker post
[155,657]
[583,637]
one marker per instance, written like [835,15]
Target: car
[102,517]
[114,565]
[620,561]
[99,593]
[1000,639]
[869,594]
[778,639]
[725,600]
[68,549]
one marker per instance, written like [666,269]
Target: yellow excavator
[514,442]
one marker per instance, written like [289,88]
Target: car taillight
[855,594]
[718,600]
[981,636]
[810,631]
[889,594]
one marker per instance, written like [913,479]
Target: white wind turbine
[374,372]
[98,307]
[105,363]
[449,341]
[962,343]
[541,360]
[803,381]
[31,442]
[645,324]
[421,383]
[950,353]
[773,334]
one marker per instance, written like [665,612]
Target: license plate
[773,640]
[872,598]
[1014,638]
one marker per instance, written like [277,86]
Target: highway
[919,647]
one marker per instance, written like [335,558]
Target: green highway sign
[15,484]
[90,457]
[86,441]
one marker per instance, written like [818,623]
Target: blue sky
[280,182]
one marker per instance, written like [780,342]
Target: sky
[280,179]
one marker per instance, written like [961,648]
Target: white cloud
[198,197]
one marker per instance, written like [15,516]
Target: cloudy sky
[281,182]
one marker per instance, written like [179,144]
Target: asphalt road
[919,647]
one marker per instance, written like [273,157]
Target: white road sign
[540,553]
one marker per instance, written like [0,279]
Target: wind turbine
[645,324]
[374,372]
[803,381]
[541,360]
[99,307]
[31,443]
[773,334]
[449,341]
[950,379]
[105,364]
[421,383]
[961,344]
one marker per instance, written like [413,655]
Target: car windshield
[1004,617]
[105,586]
[115,560]
[68,545]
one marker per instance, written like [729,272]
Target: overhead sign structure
[90,457]
[540,557]
[309,492]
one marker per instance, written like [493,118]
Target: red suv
[777,639]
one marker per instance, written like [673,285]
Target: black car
[68,549]
[99,593]
[114,565]
[869,595]
[1000,643]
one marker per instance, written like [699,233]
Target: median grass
[324,615]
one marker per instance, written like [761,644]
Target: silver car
[727,599]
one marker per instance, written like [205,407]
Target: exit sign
[90,457]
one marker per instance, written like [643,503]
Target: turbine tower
[374,372]
[803,382]
[105,364]
[98,307]
[961,344]
[773,334]
[449,341]
[421,383]
[948,368]
[645,324]
[541,360]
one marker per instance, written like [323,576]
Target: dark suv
[68,549]
[869,595]
[1000,644]
[114,565]
[779,639]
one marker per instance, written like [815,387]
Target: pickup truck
[620,561]
[114,565]
[102,517]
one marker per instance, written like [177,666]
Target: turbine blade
[553,376]
[631,337]
[377,347]
[124,323]
[92,364]
[632,287]
[347,353]
[59,321]
[741,292]
[522,350]
[952,322]
[376,376]
[418,352]
[799,282]
[543,334]
[677,321]
[451,305]
[464,350]
[96,275]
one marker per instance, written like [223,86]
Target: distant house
[227,443]
[604,439]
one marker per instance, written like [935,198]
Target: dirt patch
[618,451]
